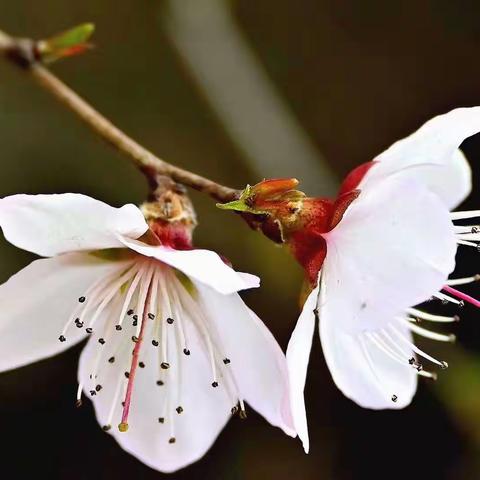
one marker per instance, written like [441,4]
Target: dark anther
[159,383]
[242,414]
[79,324]
[475,230]
[130,312]
[127,374]
[123,404]
[89,330]
[226,361]
[315,312]
[186,351]
[443,365]
[411,361]
[172,440]
[98,388]
[151,316]
[106,428]
[111,359]
[134,339]
[135,323]
[214,384]
[394,398]
[154,343]
[62,338]
[165,365]
[135,317]
[461,304]
[179,410]
[101,341]
[234,410]
[77,320]
[169,320]
[141,365]
[118,328]
[78,403]
[161,420]
[93,392]
[81,299]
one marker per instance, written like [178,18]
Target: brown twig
[21,52]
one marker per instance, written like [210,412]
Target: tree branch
[22,52]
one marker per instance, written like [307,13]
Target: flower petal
[362,371]
[257,361]
[52,224]
[451,182]
[38,301]
[202,265]
[393,249]
[433,151]
[187,383]
[298,355]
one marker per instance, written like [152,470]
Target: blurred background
[237,91]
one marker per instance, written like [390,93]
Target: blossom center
[153,308]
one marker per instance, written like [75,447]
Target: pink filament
[461,295]
[136,352]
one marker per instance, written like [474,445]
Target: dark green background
[357,75]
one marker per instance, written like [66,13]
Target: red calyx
[174,235]
[321,216]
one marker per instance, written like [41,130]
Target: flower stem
[21,52]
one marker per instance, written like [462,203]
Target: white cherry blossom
[172,350]
[394,248]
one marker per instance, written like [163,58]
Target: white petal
[298,355]
[202,265]
[431,155]
[37,302]
[205,409]
[362,371]
[257,361]
[394,248]
[52,224]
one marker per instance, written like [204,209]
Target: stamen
[467,243]
[92,294]
[463,281]
[465,214]
[430,317]
[462,296]
[114,404]
[373,336]
[78,401]
[144,302]
[128,297]
[371,364]
[200,323]
[180,328]
[113,290]
[243,411]
[429,334]
[417,350]
[403,353]
[447,298]
[430,375]
[460,229]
